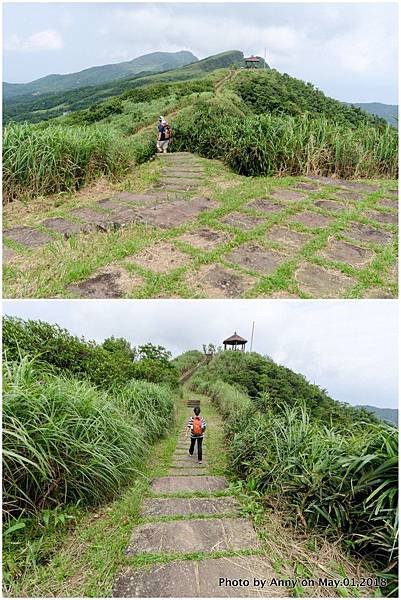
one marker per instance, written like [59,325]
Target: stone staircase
[190,511]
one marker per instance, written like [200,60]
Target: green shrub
[108,365]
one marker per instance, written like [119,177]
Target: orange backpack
[196,426]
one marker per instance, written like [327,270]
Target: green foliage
[108,366]
[331,466]
[155,365]
[273,92]
[188,360]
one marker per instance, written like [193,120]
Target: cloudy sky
[348,347]
[348,50]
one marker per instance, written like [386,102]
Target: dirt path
[191,512]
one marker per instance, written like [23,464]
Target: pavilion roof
[235,338]
[252,59]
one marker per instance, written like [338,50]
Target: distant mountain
[154,62]
[386,111]
[38,107]
[385,414]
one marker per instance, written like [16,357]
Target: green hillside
[54,104]
[156,61]
[324,465]
[389,112]
[258,122]
[385,414]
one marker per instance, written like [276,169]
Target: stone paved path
[206,524]
[311,228]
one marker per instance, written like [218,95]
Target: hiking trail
[190,511]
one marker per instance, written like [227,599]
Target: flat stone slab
[326,180]
[176,213]
[177,186]
[265,205]
[331,205]
[360,186]
[165,507]
[27,236]
[381,217]
[88,215]
[288,195]
[178,173]
[108,282]
[255,258]
[206,578]
[195,535]
[310,186]
[366,233]
[123,216]
[288,236]
[388,203]
[378,294]
[205,239]
[188,179]
[131,198]
[345,252]
[168,485]
[111,203]
[160,258]
[242,220]
[60,225]
[215,281]
[319,282]
[8,254]
[196,470]
[351,195]
[185,461]
[310,219]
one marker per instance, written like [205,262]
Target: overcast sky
[348,347]
[347,50]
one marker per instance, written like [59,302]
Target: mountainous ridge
[389,112]
[385,414]
[92,76]
[34,108]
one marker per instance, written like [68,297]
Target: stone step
[208,578]
[195,535]
[196,470]
[166,507]
[171,172]
[185,461]
[171,485]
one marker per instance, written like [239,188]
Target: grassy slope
[87,560]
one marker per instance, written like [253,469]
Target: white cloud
[48,39]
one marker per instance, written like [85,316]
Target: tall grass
[342,480]
[272,144]
[65,441]
[55,158]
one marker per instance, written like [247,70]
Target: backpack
[167,132]
[197,426]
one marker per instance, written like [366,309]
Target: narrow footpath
[192,526]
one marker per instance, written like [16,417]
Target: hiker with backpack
[165,135]
[196,427]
